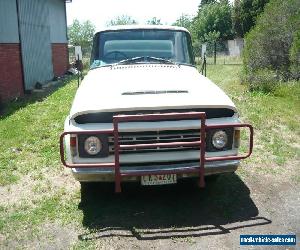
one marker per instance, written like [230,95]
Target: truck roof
[150,27]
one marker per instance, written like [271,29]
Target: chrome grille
[150,137]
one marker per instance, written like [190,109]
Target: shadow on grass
[162,212]
[13,106]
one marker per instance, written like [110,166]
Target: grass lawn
[38,195]
[275,117]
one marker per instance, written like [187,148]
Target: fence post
[205,65]
[215,52]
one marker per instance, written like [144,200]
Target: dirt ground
[182,216]
[178,216]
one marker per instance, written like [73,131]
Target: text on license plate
[158,179]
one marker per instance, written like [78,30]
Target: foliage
[213,19]
[264,80]
[154,21]
[197,47]
[244,15]
[203,2]
[121,20]
[212,36]
[295,55]
[184,21]
[81,34]
[272,47]
[237,26]
[295,49]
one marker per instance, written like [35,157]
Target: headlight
[92,145]
[219,139]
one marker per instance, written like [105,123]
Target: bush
[272,48]
[86,63]
[264,80]
[295,56]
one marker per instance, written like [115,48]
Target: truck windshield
[141,46]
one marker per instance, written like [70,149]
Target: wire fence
[221,60]
[222,52]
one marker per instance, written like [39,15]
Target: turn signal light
[237,138]
[73,145]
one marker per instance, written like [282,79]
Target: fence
[227,52]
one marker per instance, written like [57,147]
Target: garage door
[35,41]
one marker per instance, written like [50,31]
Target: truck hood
[146,87]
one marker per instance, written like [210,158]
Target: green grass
[275,116]
[28,220]
[29,133]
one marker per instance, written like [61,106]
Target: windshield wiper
[145,59]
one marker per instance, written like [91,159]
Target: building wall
[11,77]
[33,44]
[8,22]
[57,21]
[60,58]
[58,36]
[235,47]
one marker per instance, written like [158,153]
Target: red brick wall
[11,76]
[60,58]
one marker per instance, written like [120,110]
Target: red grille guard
[156,117]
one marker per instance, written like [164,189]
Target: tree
[245,13]
[81,34]
[154,21]
[204,2]
[184,21]
[212,37]
[272,48]
[121,20]
[214,18]
[236,19]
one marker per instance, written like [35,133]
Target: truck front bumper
[108,174]
[117,172]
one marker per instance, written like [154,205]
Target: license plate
[158,179]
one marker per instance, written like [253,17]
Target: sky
[99,12]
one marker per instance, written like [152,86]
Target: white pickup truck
[144,113]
